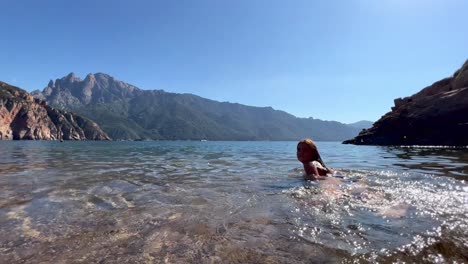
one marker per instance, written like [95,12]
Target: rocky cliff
[437,115]
[24,117]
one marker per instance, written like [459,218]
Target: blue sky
[334,60]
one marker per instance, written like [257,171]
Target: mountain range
[127,112]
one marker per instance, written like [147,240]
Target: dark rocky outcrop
[127,112]
[437,115]
[24,117]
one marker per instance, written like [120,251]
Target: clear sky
[343,60]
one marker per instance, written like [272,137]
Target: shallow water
[229,202]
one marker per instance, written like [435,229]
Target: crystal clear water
[229,202]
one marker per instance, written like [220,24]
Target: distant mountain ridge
[24,117]
[363,124]
[125,111]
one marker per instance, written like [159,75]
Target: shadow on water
[440,161]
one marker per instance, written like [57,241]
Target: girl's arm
[311,171]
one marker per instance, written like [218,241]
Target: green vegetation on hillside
[126,112]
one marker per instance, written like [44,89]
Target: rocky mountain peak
[103,76]
[90,79]
[90,76]
[51,83]
[71,92]
[71,77]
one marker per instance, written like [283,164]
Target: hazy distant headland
[126,112]
[437,115]
[363,124]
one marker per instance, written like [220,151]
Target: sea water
[229,202]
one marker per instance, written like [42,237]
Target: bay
[225,202]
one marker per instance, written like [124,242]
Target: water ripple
[244,202]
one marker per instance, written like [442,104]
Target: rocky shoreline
[24,117]
[437,115]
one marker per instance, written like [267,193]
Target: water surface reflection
[228,202]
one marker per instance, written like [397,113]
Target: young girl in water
[314,167]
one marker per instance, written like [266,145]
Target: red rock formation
[24,117]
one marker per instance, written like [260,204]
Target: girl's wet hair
[316,155]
